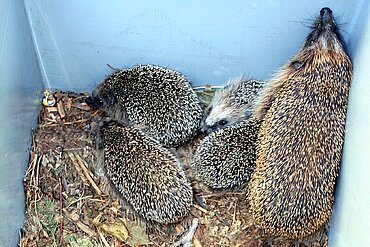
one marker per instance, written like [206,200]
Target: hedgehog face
[324,33]
[101,97]
[221,116]
[231,105]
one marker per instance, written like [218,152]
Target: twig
[41,159]
[66,123]
[78,168]
[87,174]
[207,87]
[201,209]
[112,68]
[79,199]
[60,108]
[61,211]
[105,242]
[186,240]
[234,215]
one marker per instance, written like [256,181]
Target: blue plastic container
[67,44]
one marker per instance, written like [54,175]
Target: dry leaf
[117,230]
[138,233]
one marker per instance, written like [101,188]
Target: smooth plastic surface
[209,41]
[20,82]
[67,44]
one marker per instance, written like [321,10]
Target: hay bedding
[67,207]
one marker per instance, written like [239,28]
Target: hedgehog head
[322,48]
[104,98]
[219,116]
[324,34]
[101,97]
[230,105]
[323,39]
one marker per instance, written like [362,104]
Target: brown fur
[301,137]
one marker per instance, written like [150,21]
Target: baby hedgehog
[143,173]
[158,98]
[226,157]
[231,104]
[300,142]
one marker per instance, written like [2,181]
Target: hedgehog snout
[326,17]
[94,102]
[206,129]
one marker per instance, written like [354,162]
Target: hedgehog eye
[222,122]
[209,110]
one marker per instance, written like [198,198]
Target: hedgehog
[231,105]
[146,176]
[158,98]
[226,157]
[299,145]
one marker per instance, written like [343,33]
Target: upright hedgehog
[231,104]
[158,98]
[143,173]
[226,157]
[301,137]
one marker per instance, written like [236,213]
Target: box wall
[20,82]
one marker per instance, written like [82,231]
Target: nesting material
[226,158]
[64,208]
[158,98]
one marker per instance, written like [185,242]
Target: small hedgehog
[158,98]
[143,173]
[231,104]
[300,141]
[226,157]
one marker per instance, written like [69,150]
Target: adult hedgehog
[158,98]
[301,137]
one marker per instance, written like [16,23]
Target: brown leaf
[117,230]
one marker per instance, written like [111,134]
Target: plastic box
[67,44]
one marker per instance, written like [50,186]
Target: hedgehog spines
[144,174]
[301,137]
[159,98]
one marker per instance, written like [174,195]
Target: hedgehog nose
[89,100]
[93,102]
[326,14]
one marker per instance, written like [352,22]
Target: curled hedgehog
[299,147]
[158,98]
[232,104]
[141,172]
[226,157]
